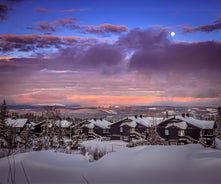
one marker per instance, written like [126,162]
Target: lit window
[181,133]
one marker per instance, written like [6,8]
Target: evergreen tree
[218,120]
[154,137]
[3,116]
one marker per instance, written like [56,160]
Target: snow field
[188,164]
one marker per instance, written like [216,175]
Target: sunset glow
[95,53]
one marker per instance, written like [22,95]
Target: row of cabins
[180,129]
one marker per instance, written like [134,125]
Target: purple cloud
[148,58]
[204,28]
[71,23]
[107,57]
[44,10]
[4,8]
[101,57]
[53,26]
[3,11]
[104,29]
[202,58]
[181,68]
[27,43]
[139,39]
[15,0]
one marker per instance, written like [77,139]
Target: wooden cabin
[18,125]
[64,126]
[183,129]
[39,127]
[96,128]
[133,128]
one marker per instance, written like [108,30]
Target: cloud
[43,26]
[4,8]
[181,68]
[53,26]
[104,56]
[44,10]
[27,43]
[204,28]
[15,1]
[100,57]
[144,63]
[139,39]
[103,29]
[3,11]
[180,59]
[153,52]
[70,23]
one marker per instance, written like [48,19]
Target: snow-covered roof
[132,124]
[63,123]
[102,123]
[18,123]
[145,121]
[90,125]
[181,125]
[32,123]
[203,124]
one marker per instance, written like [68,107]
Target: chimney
[188,115]
[101,119]
[141,116]
[135,116]
[183,115]
[95,119]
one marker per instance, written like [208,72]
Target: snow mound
[96,148]
[188,164]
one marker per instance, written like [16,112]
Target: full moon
[172,34]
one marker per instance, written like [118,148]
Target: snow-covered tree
[49,132]
[3,127]
[154,137]
[27,137]
[218,120]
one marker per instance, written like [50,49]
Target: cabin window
[90,130]
[132,130]
[207,132]
[121,129]
[166,132]
[105,130]
[181,133]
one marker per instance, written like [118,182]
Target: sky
[118,52]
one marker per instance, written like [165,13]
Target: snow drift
[138,165]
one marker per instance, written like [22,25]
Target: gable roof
[146,121]
[131,124]
[18,123]
[133,121]
[90,125]
[182,125]
[63,123]
[102,123]
[203,124]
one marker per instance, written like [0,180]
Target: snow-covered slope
[189,164]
